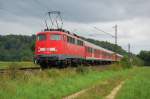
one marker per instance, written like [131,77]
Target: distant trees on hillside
[145,55]
[16,47]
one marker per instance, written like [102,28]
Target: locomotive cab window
[41,37]
[70,40]
[55,37]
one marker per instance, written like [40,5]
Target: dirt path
[110,96]
[114,91]
[76,94]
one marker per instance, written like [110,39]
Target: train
[58,47]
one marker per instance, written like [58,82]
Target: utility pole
[129,48]
[114,36]
[129,53]
[116,41]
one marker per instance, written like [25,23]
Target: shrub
[115,66]
[137,61]
[82,69]
[123,64]
[12,70]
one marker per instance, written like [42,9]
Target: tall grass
[51,84]
[18,64]
[137,87]
[123,64]
[55,83]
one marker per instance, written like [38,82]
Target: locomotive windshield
[55,37]
[41,37]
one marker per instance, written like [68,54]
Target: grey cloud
[132,17]
[79,10]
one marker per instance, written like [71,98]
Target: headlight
[41,49]
[47,49]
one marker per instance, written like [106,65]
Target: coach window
[68,39]
[73,40]
[90,50]
[79,42]
[55,37]
[95,51]
[41,37]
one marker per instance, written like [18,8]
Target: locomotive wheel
[62,64]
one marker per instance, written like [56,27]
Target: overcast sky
[132,17]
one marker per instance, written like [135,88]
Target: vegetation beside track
[47,84]
[137,87]
[4,65]
[57,83]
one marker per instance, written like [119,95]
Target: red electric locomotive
[60,47]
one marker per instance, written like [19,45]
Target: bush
[123,64]
[115,67]
[137,61]
[13,70]
[82,69]
[145,56]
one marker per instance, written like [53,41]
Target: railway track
[19,69]
[30,69]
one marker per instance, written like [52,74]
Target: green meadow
[58,83]
[137,87]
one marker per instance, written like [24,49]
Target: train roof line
[98,47]
[73,34]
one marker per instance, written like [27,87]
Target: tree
[16,47]
[145,55]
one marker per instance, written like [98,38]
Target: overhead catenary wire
[104,32]
[114,36]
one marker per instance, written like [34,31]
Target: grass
[51,84]
[103,88]
[17,64]
[137,87]
[100,90]
[57,83]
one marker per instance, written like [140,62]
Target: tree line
[16,47]
[145,55]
